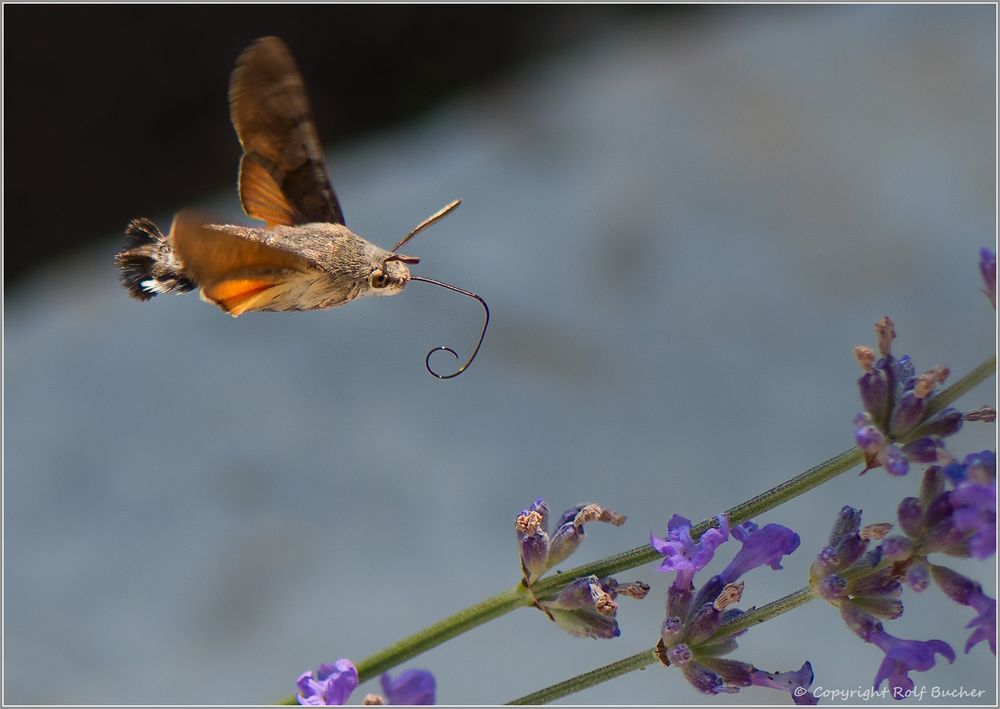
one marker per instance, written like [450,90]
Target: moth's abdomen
[148,263]
[315,290]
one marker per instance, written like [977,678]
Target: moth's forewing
[270,111]
[231,270]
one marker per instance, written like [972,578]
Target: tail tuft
[148,265]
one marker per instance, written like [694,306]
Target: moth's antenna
[426,223]
[486,309]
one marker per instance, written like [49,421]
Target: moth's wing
[283,178]
[235,272]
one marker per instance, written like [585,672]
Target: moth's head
[390,277]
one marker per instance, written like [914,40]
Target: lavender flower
[845,546]
[684,555]
[959,522]
[796,683]
[969,593]
[761,546]
[586,607]
[860,598]
[533,537]
[540,551]
[690,636]
[975,514]
[985,623]
[412,687]
[895,430]
[864,598]
[974,501]
[988,268]
[978,468]
[329,685]
[903,657]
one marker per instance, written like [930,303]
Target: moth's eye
[379,279]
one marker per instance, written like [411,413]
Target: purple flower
[947,422]
[979,468]
[540,551]
[846,545]
[531,527]
[897,548]
[795,683]
[330,685]
[929,449]
[973,501]
[761,546]
[864,598]
[715,675]
[586,608]
[684,555]
[705,680]
[903,657]
[985,623]
[894,460]
[692,637]
[988,267]
[412,687]
[958,522]
[867,436]
[917,575]
[969,593]
[892,432]
[975,513]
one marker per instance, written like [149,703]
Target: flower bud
[861,623]
[906,413]
[897,548]
[910,514]
[917,575]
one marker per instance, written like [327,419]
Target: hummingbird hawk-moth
[305,258]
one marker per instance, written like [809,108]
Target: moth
[305,258]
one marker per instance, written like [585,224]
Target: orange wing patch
[261,196]
[235,296]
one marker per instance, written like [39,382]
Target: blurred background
[683,218]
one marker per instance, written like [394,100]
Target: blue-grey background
[682,228]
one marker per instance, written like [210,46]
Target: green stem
[765,612]
[438,633]
[519,596]
[602,674]
[444,630]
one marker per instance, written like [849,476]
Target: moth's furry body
[341,266]
[321,266]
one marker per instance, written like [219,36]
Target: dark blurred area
[113,111]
